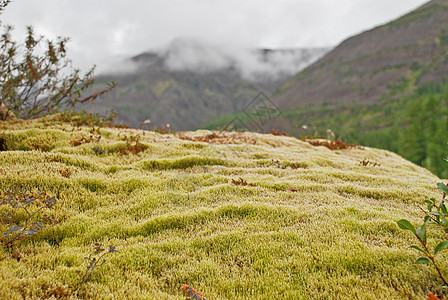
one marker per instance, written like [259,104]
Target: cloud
[251,64]
[183,54]
[105,29]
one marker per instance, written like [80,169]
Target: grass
[176,217]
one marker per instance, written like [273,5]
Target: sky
[106,31]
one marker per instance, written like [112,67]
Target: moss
[175,217]
[35,139]
[181,163]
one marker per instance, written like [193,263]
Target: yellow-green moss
[176,218]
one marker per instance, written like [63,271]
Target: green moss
[35,139]
[181,163]
[174,211]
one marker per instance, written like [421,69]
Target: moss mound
[235,215]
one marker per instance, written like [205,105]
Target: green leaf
[421,232]
[443,187]
[417,248]
[440,247]
[406,225]
[423,260]
[443,209]
[435,213]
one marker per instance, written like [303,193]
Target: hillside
[182,99]
[386,88]
[189,84]
[377,65]
[235,215]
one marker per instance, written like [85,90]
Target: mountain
[380,64]
[188,84]
[182,99]
[386,87]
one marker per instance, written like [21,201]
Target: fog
[104,32]
[201,57]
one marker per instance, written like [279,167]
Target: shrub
[3,4]
[242,182]
[16,226]
[436,214]
[33,82]
[95,260]
[365,162]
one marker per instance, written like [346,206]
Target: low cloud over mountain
[188,83]
[251,64]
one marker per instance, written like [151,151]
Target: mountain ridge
[385,53]
[167,88]
[386,87]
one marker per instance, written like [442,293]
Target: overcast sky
[101,30]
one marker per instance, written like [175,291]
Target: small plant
[84,140]
[437,214]
[95,260]
[164,129]
[222,138]
[298,165]
[23,226]
[431,296]
[191,293]
[366,162]
[278,133]
[133,145]
[242,182]
[275,163]
[332,145]
[98,150]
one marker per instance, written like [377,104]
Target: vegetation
[19,226]
[413,126]
[437,214]
[33,84]
[3,4]
[423,12]
[241,219]
[392,96]
[95,261]
[36,79]
[170,202]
